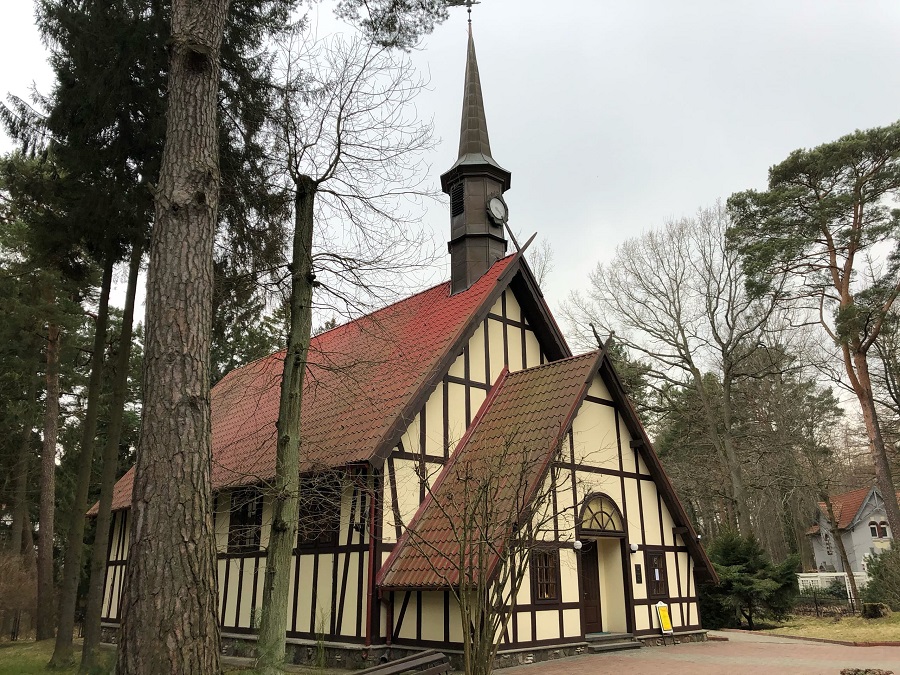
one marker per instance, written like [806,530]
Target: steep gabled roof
[519,426]
[365,382]
[846,507]
[534,409]
[704,566]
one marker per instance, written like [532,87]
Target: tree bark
[20,496]
[45,590]
[273,623]
[169,621]
[724,444]
[741,503]
[99,552]
[62,652]
[883,477]
[20,480]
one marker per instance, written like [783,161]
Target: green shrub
[750,585]
[884,579]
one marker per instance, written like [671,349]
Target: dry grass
[850,629]
[31,658]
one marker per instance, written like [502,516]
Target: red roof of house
[845,506]
[361,381]
[505,452]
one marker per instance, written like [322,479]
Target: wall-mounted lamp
[634,548]
[577,545]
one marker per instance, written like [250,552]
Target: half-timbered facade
[391,401]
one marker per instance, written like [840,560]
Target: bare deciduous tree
[676,297]
[349,144]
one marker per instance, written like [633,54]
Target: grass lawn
[29,658]
[851,628]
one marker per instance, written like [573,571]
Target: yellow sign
[665,622]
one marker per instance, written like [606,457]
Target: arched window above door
[600,514]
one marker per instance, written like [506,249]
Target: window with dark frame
[657,583]
[245,523]
[319,518]
[545,575]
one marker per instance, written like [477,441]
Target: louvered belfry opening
[476,242]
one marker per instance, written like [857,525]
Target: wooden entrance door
[590,590]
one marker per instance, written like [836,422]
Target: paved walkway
[743,654]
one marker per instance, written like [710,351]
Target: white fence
[822,580]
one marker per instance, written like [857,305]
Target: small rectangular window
[245,523]
[319,519]
[657,583]
[545,575]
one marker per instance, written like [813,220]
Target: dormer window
[878,530]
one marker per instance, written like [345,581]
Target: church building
[394,403]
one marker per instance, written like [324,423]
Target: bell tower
[476,184]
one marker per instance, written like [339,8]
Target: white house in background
[862,524]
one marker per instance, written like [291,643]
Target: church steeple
[476,236]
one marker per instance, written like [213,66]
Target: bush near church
[884,579]
[751,587]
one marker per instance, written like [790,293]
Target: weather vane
[464,3]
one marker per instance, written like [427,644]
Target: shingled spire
[476,240]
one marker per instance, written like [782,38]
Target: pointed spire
[473,135]
[474,144]
[476,238]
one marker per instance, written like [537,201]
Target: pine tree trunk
[169,621]
[20,479]
[741,503]
[45,590]
[99,552]
[62,652]
[273,623]
[883,477]
[20,500]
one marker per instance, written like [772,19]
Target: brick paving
[741,655]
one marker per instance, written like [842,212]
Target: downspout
[370,587]
[387,599]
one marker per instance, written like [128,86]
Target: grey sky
[614,116]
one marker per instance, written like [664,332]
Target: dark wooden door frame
[628,590]
[590,581]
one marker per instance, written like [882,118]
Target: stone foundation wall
[353,657]
[678,638]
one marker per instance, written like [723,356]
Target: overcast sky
[615,116]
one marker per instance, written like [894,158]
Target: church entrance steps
[599,643]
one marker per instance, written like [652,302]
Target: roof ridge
[566,359]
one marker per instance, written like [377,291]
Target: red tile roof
[845,506]
[505,452]
[361,378]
